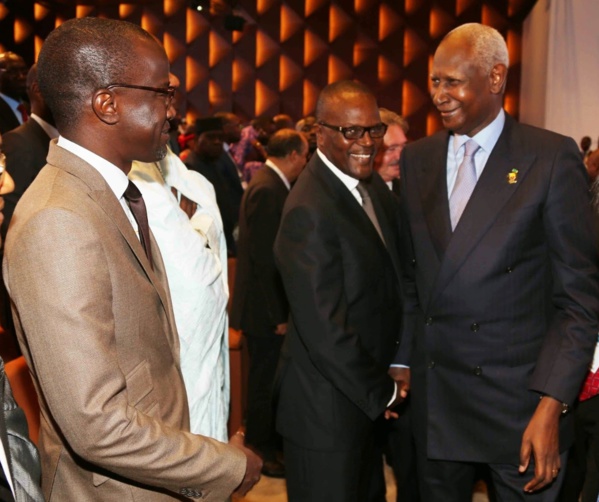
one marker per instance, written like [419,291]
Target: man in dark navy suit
[502,289]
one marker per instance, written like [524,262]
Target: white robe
[195,257]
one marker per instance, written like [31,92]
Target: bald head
[338,92]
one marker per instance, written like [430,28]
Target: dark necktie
[138,208]
[23,111]
[369,208]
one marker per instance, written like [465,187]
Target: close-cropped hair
[82,56]
[339,88]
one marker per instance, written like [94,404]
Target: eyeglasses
[169,91]
[356,132]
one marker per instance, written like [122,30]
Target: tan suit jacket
[96,326]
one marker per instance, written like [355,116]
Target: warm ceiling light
[200,5]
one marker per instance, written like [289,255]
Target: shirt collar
[117,180]
[281,174]
[486,138]
[348,181]
[48,128]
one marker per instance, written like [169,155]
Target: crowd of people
[433,303]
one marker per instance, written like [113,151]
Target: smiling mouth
[361,156]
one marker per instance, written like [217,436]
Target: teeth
[360,156]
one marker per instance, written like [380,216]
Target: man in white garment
[193,248]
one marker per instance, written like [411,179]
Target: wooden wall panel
[289,49]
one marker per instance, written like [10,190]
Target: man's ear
[498,77]
[105,106]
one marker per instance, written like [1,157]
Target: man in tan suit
[90,300]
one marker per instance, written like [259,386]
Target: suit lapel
[432,185]
[343,195]
[103,196]
[491,194]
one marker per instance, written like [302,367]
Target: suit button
[396,342]
[509,270]
[413,262]
[478,371]
[429,321]
[431,365]
[474,326]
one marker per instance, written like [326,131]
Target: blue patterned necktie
[464,183]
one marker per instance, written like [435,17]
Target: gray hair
[488,44]
[391,118]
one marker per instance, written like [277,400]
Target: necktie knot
[361,188]
[138,208]
[471,147]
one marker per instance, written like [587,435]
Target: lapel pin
[512,177]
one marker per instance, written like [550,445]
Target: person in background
[26,147]
[585,147]
[260,306]
[283,121]
[387,159]
[14,109]
[205,159]
[307,126]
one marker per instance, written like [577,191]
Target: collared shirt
[117,180]
[14,104]
[281,174]
[348,181]
[49,129]
[486,139]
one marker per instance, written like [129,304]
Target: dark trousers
[394,440]
[582,470]
[326,476]
[449,481]
[264,357]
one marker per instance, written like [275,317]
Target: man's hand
[401,376]
[541,440]
[281,329]
[253,465]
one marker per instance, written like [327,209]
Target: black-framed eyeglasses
[168,92]
[356,132]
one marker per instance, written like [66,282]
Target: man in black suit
[260,306]
[13,75]
[26,147]
[230,170]
[336,252]
[500,317]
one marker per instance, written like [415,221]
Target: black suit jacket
[8,119]
[259,301]
[26,148]
[504,308]
[228,169]
[342,284]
